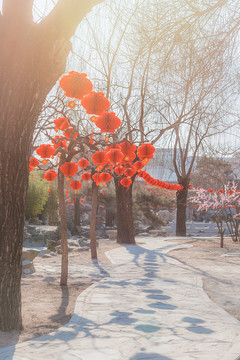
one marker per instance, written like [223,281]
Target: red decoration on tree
[50,175]
[108,122]
[97,178]
[86,176]
[130,171]
[220,191]
[145,151]
[115,156]
[95,103]
[105,177]
[119,170]
[99,158]
[83,163]
[61,123]
[45,151]
[59,142]
[69,133]
[71,104]
[33,162]
[139,165]
[75,184]
[69,168]
[76,85]
[127,148]
[126,182]
[210,190]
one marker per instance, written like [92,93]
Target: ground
[47,306]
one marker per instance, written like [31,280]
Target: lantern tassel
[49,190]
[67,193]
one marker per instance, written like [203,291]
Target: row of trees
[178,48]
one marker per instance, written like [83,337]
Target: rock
[51,244]
[43,252]
[164,232]
[27,267]
[154,232]
[26,235]
[46,256]
[112,234]
[83,248]
[84,242]
[30,227]
[143,234]
[29,254]
[73,242]
[35,221]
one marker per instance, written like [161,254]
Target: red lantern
[97,178]
[59,142]
[83,163]
[76,85]
[50,175]
[108,122]
[61,123]
[105,177]
[139,165]
[71,104]
[31,168]
[95,103]
[145,151]
[210,190]
[33,162]
[115,156]
[69,133]
[220,191]
[45,151]
[75,184]
[99,158]
[127,148]
[69,168]
[126,182]
[119,170]
[86,176]
[130,171]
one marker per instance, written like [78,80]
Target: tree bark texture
[182,207]
[33,57]
[125,224]
[93,244]
[64,244]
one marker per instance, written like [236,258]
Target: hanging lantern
[86,176]
[115,156]
[61,123]
[50,175]
[83,163]
[210,190]
[33,162]
[59,143]
[130,171]
[69,133]
[95,103]
[119,170]
[75,184]
[69,168]
[76,85]
[108,122]
[105,177]
[220,191]
[145,151]
[31,168]
[45,151]
[126,182]
[97,178]
[139,165]
[99,158]
[71,104]
[127,148]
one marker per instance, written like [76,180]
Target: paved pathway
[147,306]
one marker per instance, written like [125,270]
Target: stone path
[147,306]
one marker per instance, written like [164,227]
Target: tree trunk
[125,225]
[64,244]
[33,57]
[93,244]
[182,207]
[77,211]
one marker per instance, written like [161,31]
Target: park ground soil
[47,306]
